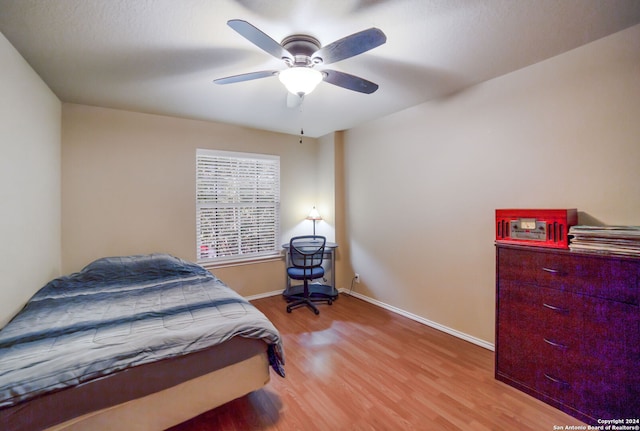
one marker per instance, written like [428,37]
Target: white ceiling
[160,56]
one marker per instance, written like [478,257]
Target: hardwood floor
[357,366]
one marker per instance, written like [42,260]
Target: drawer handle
[556,380]
[554,344]
[554,308]
[551,271]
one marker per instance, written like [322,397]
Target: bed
[135,342]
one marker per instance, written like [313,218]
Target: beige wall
[325,203]
[344,271]
[331,195]
[422,185]
[29,182]
[128,182]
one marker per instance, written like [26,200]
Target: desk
[325,286]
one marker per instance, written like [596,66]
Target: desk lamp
[314,215]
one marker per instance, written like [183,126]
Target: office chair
[305,257]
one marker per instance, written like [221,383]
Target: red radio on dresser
[538,227]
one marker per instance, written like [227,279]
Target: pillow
[103,274]
[148,265]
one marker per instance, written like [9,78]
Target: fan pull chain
[301,125]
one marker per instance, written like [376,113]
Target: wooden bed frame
[172,406]
[150,397]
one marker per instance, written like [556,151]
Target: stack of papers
[622,240]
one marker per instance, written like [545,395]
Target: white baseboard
[263,295]
[427,322]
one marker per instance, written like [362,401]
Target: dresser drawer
[610,329]
[527,359]
[538,341]
[517,358]
[614,279]
[544,310]
[560,385]
[608,392]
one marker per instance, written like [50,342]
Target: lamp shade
[300,80]
[314,215]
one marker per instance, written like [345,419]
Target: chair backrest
[307,251]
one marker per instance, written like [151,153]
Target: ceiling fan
[301,53]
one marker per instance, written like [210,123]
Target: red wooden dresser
[568,330]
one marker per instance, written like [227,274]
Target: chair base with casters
[316,290]
[309,301]
[306,257]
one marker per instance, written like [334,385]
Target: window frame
[251,191]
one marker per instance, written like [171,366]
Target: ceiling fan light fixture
[300,80]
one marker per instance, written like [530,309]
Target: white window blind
[237,205]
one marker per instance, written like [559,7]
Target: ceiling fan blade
[350,82]
[259,38]
[350,46]
[246,77]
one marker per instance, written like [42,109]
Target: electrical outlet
[357,277]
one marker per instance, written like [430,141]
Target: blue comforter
[117,313]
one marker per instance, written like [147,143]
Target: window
[237,205]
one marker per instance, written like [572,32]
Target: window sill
[241,262]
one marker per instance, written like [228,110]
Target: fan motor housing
[302,47]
